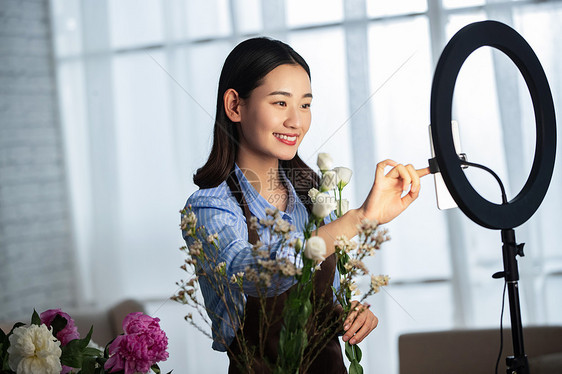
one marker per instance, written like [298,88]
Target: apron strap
[232,182]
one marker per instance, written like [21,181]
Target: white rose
[324,161]
[343,176]
[315,248]
[312,193]
[34,349]
[324,204]
[343,207]
[328,181]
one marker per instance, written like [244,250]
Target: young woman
[263,113]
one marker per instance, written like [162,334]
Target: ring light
[478,209]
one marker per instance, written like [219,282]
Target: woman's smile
[290,139]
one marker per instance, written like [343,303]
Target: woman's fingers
[359,323]
[382,165]
[415,188]
[409,176]
[369,325]
[423,172]
[355,308]
[364,323]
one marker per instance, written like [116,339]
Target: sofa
[476,351]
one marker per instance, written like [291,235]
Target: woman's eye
[281,103]
[306,106]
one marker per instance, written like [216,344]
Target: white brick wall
[36,258]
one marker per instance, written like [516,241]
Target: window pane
[148,192]
[400,85]
[66,27]
[553,298]
[204,19]
[133,23]
[329,132]
[452,4]
[198,70]
[248,16]
[312,12]
[389,8]
[542,29]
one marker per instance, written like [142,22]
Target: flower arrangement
[51,344]
[303,332]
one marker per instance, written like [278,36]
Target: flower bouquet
[304,331]
[51,344]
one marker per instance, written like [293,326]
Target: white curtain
[137,85]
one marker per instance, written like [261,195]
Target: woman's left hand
[359,323]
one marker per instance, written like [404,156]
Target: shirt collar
[253,197]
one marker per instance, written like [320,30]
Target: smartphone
[444,198]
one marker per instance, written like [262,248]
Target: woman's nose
[293,119]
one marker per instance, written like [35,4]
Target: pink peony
[70,332]
[143,345]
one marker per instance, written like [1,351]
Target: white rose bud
[343,176]
[328,181]
[298,245]
[324,162]
[312,193]
[324,204]
[343,207]
[315,248]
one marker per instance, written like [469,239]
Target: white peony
[315,248]
[344,204]
[34,349]
[324,204]
[343,176]
[328,181]
[324,161]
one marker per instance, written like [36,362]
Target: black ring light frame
[485,213]
[478,209]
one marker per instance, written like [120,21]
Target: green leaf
[35,319]
[358,353]
[83,343]
[71,355]
[155,368]
[92,352]
[341,268]
[75,351]
[355,368]
[88,366]
[349,352]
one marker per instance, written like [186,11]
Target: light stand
[507,215]
[518,362]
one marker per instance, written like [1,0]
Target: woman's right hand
[386,200]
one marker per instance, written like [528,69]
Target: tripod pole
[516,364]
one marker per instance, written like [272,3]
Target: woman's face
[276,115]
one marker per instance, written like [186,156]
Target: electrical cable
[504,201]
[504,196]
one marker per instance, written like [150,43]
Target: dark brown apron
[330,359]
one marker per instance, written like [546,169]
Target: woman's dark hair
[243,70]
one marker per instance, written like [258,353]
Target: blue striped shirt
[218,211]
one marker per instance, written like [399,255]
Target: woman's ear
[232,103]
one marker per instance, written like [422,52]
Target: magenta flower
[143,345]
[70,331]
